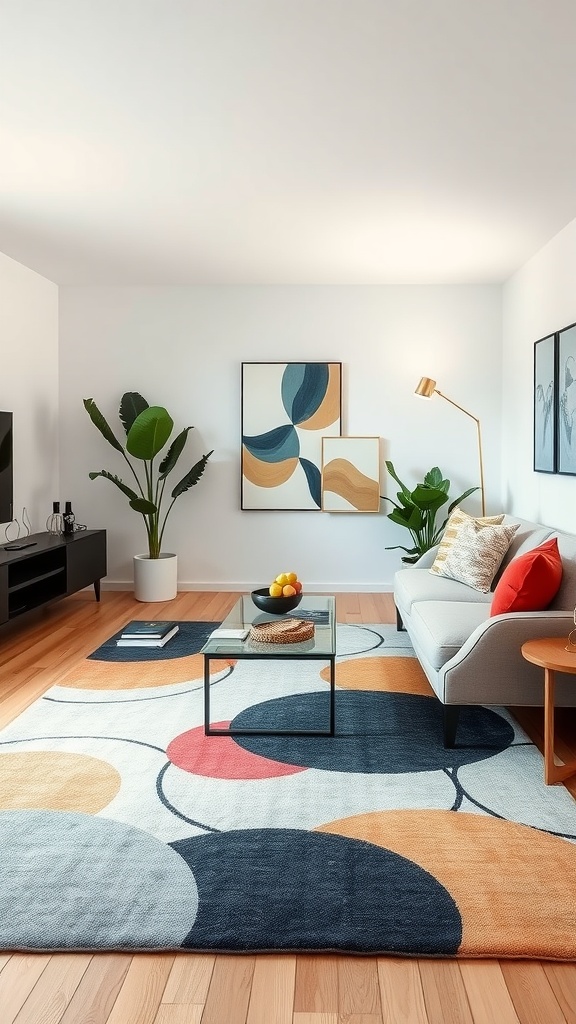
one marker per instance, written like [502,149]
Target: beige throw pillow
[477,553]
[455,522]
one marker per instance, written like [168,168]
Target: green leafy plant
[148,429]
[417,510]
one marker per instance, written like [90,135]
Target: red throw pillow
[530,582]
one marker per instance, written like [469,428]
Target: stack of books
[146,634]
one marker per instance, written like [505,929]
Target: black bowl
[275,605]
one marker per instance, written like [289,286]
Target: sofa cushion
[528,535]
[529,582]
[413,585]
[476,554]
[438,629]
[456,520]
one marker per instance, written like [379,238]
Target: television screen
[6,472]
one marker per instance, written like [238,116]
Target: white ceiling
[160,142]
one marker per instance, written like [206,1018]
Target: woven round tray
[288,631]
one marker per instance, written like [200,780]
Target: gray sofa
[470,657]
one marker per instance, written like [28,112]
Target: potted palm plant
[148,429]
[417,509]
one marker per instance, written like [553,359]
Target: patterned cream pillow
[456,520]
[477,553]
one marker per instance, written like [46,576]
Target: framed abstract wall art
[545,405]
[351,474]
[566,404]
[287,408]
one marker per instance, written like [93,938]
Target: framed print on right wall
[545,446]
[566,404]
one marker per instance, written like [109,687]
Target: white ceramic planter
[155,579]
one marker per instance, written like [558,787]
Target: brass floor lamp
[427,388]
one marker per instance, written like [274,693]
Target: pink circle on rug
[220,757]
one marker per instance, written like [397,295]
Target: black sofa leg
[451,717]
[400,627]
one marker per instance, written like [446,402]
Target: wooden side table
[550,654]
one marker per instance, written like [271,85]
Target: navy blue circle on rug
[189,639]
[403,732]
[265,889]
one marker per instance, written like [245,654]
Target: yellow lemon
[292,577]
[275,590]
[282,579]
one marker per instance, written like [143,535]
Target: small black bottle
[69,519]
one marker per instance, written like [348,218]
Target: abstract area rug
[122,826]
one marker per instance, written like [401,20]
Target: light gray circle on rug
[359,639]
[74,881]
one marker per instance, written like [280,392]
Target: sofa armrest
[489,667]
[427,559]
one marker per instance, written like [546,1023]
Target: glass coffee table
[322,647]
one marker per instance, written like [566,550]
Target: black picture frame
[545,404]
[566,401]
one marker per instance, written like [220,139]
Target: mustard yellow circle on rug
[395,675]
[515,887]
[57,781]
[132,675]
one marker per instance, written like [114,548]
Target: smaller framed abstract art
[566,402]
[287,408]
[351,474]
[545,432]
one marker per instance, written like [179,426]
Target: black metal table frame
[270,656]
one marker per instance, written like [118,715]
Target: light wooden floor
[187,988]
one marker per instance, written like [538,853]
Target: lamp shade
[426,387]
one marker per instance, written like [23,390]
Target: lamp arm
[477,421]
[461,407]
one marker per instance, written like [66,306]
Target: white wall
[183,348]
[538,300]
[29,386]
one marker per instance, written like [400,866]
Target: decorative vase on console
[55,522]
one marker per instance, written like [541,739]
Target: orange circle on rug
[512,884]
[394,675]
[56,780]
[133,675]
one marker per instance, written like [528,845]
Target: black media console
[47,567]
